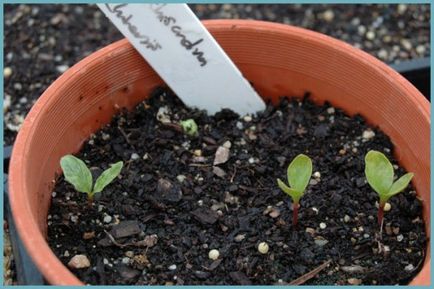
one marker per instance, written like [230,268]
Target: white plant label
[185,55]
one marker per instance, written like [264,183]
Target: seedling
[299,173]
[379,173]
[77,174]
[189,127]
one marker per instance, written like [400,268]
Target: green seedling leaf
[294,194]
[379,172]
[76,173]
[299,173]
[107,176]
[189,126]
[400,184]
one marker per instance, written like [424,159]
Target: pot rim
[52,269]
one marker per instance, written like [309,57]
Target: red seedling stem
[380,213]
[295,207]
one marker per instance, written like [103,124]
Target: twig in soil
[381,228]
[309,275]
[156,204]
[200,165]
[142,243]
[173,126]
[125,136]
[233,175]
[112,239]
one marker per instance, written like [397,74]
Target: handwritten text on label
[144,39]
[177,30]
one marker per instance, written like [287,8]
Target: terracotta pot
[278,59]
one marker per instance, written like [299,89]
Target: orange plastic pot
[278,59]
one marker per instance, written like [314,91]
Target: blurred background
[42,41]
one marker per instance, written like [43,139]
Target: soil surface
[157,222]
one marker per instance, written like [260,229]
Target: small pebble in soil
[181,178]
[62,68]
[134,156]
[227,144]
[317,175]
[368,134]
[78,262]
[323,225]
[126,260]
[107,219]
[347,218]
[238,238]
[247,118]
[354,281]
[399,238]
[409,268]
[213,254]
[370,35]
[263,248]
[221,155]
[172,267]
[387,207]
[7,72]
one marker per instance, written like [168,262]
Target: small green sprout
[189,126]
[77,174]
[299,173]
[379,173]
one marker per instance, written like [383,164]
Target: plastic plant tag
[185,55]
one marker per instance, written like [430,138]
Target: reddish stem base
[295,214]
[380,214]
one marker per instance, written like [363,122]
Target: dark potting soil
[158,221]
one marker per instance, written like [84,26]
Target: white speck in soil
[213,254]
[263,248]
[107,219]
[227,144]
[126,260]
[370,35]
[134,156]
[181,178]
[172,267]
[105,136]
[7,72]
[399,238]
[409,267]
[247,118]
[387,207]
[62,68]
[74,218]
[323,225]
[368,134]
[238,238]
